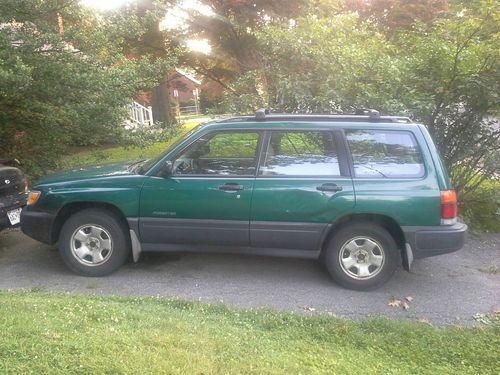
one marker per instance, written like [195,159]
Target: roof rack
[261,114]
[361,115]
[372,113]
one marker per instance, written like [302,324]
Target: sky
[174,19]
[104,4]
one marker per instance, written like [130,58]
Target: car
[13,193]
[363,194]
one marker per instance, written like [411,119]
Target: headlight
[33,197]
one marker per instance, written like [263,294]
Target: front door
[206,199]
[302,185]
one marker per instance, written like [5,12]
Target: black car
[13,193]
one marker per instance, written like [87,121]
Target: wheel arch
[387,222]
[71,208]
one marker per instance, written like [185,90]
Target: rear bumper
[435,240]
[37,225]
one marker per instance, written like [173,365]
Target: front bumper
[37,224]
[435,240]
[8,204]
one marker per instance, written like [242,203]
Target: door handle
[329,187]
[231,187]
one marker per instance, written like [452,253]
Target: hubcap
[362,258]
[91,245]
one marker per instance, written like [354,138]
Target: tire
[362,256]
[94,242]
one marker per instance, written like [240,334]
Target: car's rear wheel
[94,242]
[361,256]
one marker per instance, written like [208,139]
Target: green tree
[230,27]
[393,15]
[324,65]
[65,87]
[450,81]
[443,73]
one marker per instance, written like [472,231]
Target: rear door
[303,184]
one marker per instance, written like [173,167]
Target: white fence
[139,116]
[189,110]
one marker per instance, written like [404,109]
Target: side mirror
[166,170]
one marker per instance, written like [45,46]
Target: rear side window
[300,153]
[385,154]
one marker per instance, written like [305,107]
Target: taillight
[448,206]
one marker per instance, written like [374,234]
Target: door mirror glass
[166,169]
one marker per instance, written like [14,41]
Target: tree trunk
[160,102]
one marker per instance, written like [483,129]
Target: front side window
[300,153]
[221,153]
[385,154]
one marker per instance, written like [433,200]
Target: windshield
[145,165]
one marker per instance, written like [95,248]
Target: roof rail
[362,115]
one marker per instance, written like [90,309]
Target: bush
[481,210]
[62,89]
[144,137]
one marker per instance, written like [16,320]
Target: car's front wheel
[362,256]
[94,242]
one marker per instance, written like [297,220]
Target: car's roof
[264,120]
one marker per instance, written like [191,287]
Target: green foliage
[322,65]
[61,334]
[450,83]
[60,89]
[146,136]
[227,145]
[143,145]
[443,73]
[481,209]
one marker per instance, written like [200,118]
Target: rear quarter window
[385,154]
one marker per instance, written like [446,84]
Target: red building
[184,92]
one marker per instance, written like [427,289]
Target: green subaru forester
[362,193]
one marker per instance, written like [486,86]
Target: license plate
[14,216]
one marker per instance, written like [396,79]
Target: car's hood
[88,172]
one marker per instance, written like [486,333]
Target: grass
[189,117]
[100,154]
[82,334]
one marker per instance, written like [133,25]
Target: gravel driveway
[447,289]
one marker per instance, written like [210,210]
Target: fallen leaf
[409,298]
[482,318]
[406,305]
[423,320]
[309,308]
[394,302]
